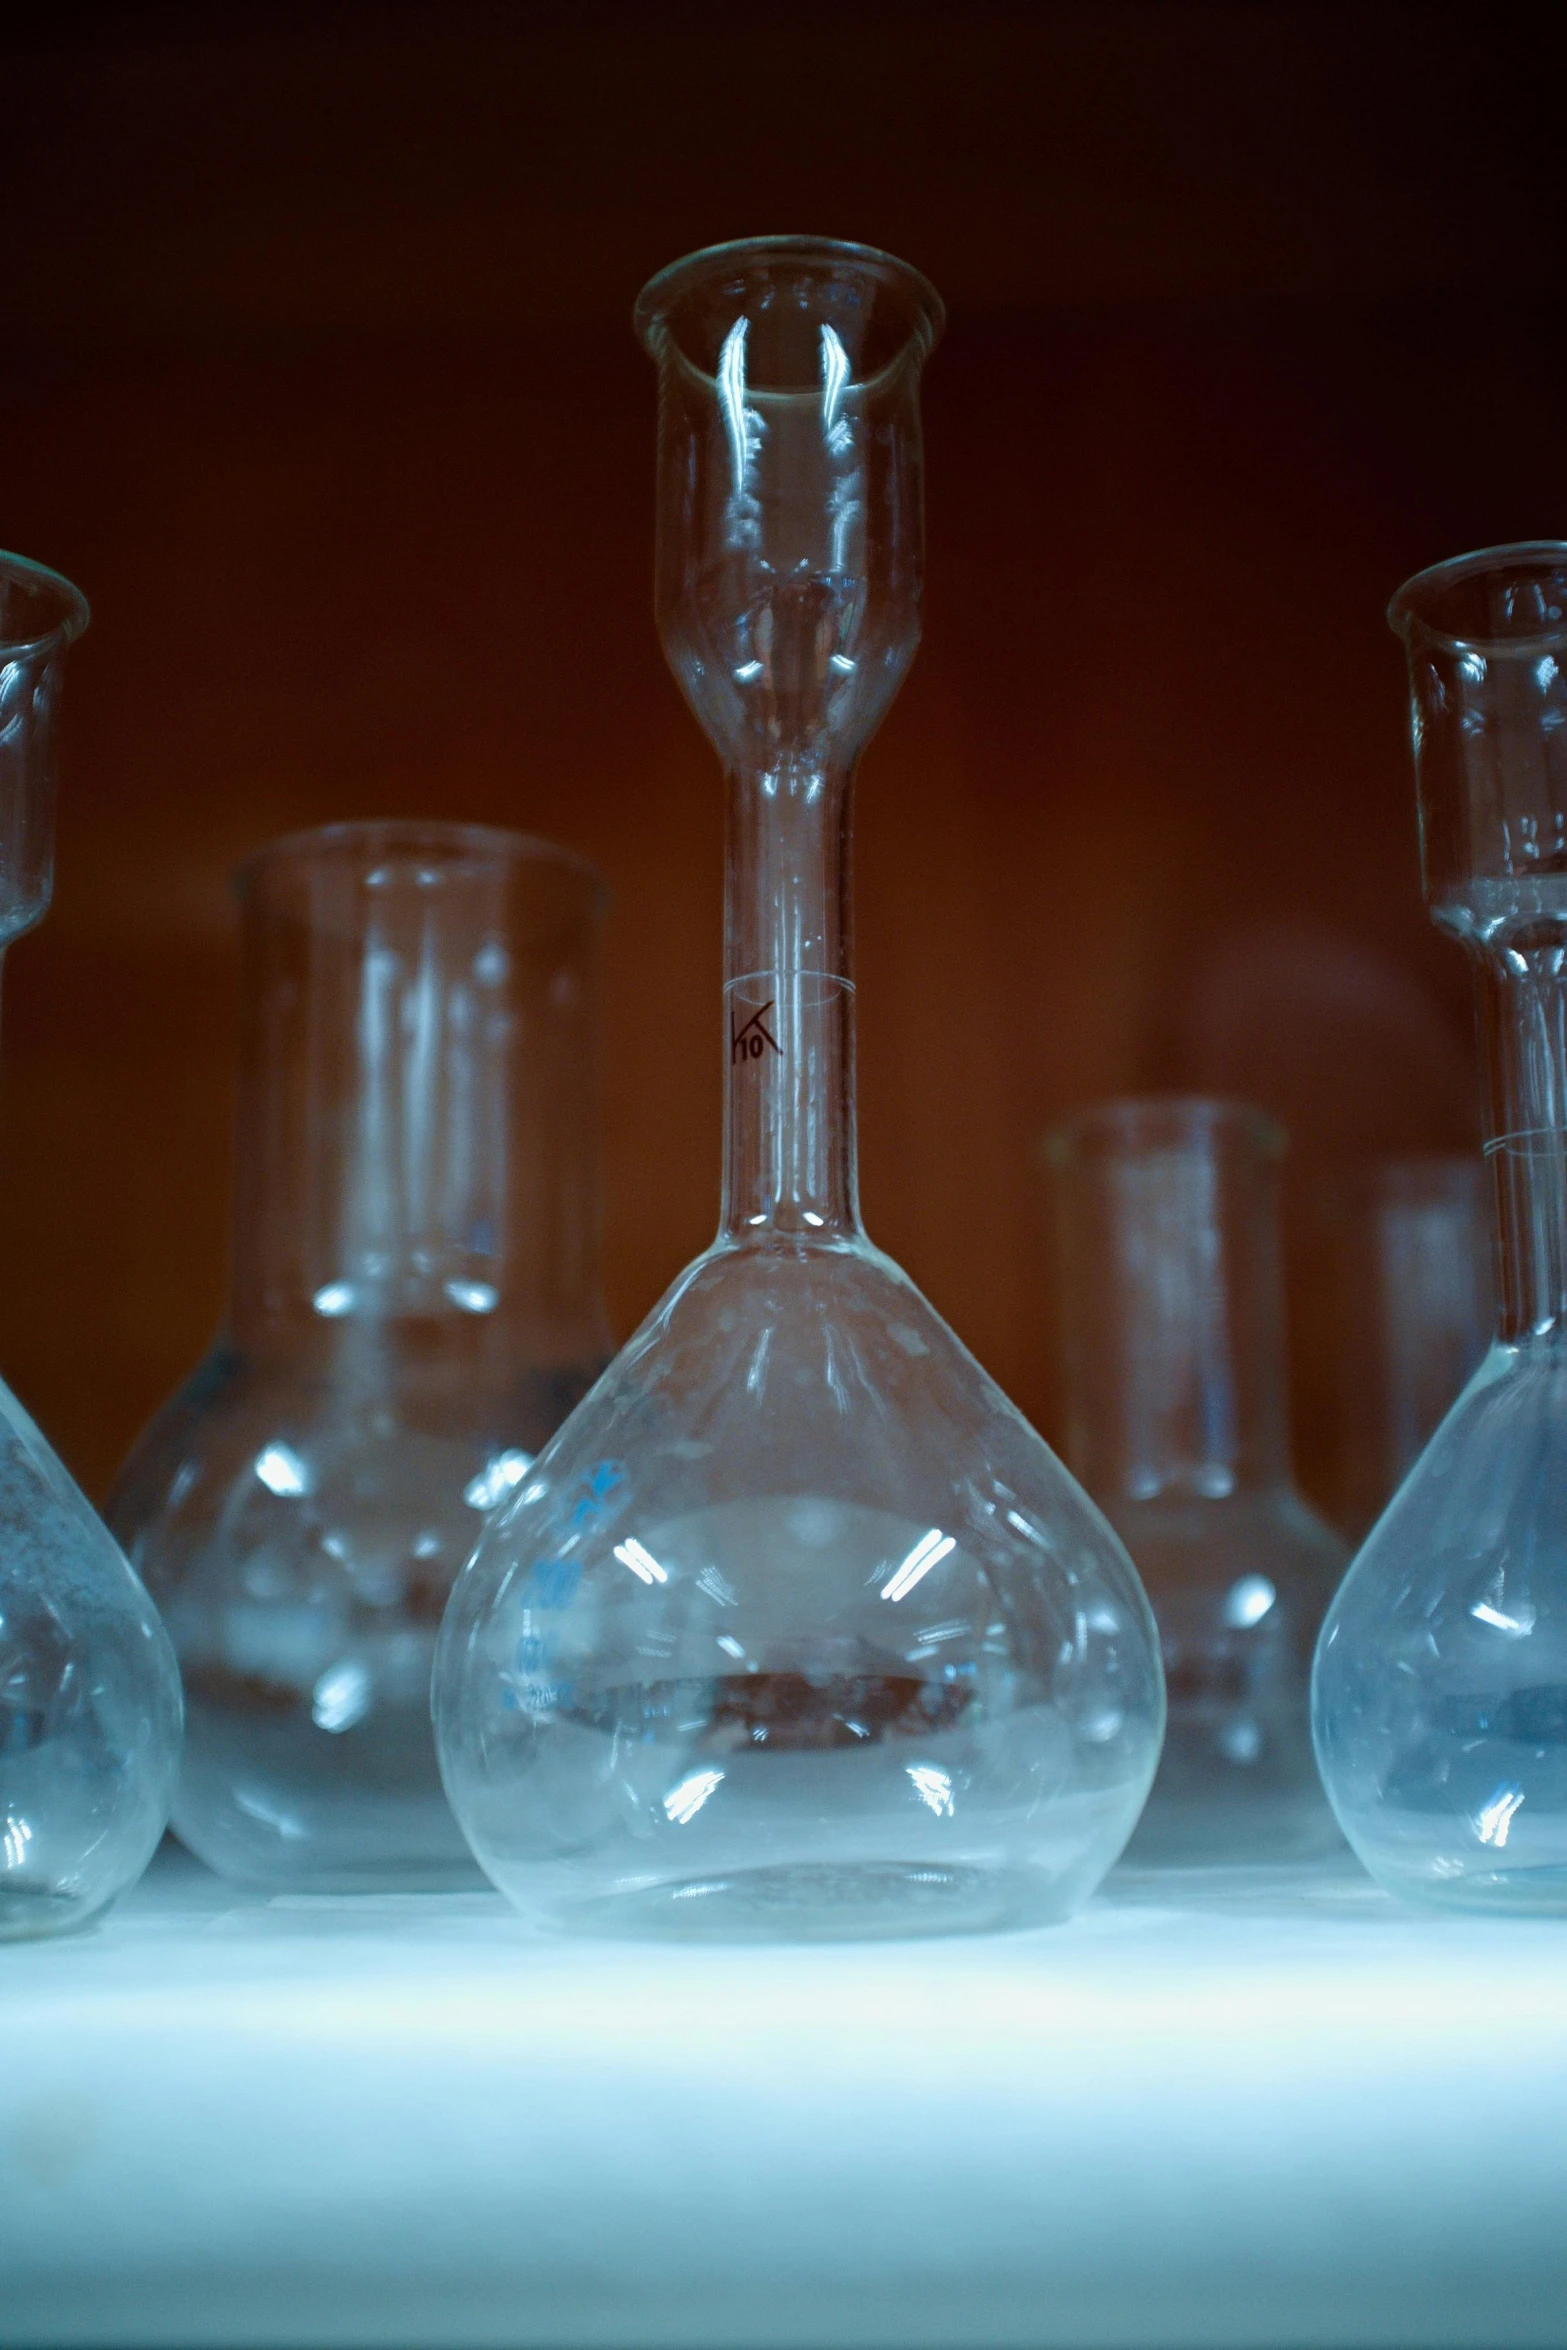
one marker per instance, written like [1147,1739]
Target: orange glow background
[317,377]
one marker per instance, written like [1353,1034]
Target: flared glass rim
[1405,616]
[482,843]
[1160,1121]
[1404,1177]
[75,612]
[657,297]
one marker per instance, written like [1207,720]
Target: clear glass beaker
[1439,1699]
[1414,1306]
[89,1693]
[798,1629]
[1172,1320]
[416,1305]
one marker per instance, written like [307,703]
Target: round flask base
[823,1902]
[1540,1893]
[1538,1890]
[28,1912]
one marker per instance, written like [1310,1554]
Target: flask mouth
[1498,600]
[787,288]
[39,609]
[1162,1122]
[416,848]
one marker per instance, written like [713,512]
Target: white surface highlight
[1240,2108]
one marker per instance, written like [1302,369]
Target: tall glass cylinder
[416,1304]
[89,1694]
[1177,1423]
[1440,1693]
[797,1630]
[1414,1305]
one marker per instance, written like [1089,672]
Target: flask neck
[1523,1024]
[416,1128]
[789,1148]
[1173,1312]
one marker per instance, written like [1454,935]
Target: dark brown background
[316,376]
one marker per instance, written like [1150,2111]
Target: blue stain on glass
[553,1581]
[601,1482]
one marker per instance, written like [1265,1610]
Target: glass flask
[1177,1423]
[89,1691]
[1413,1311]
[415,1307]
[798,1630]
[1440,1692]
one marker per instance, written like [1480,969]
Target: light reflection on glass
[1484,1613]
[835,377]
[282,1471]
[341,1697]
[1494,1820]
[632,1554]
[497,1479]
[473,1297]
[933,1787]
[928,1552]
[682,1803]
[1248,1601]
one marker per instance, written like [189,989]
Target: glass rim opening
[1418,1175]
[1175,1121]
[1429,603]
[64,609]
[455,846]
[826,256]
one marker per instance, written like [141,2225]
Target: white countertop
[1238,2107]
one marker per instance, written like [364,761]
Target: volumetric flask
[797,1629]
[1439,1700]
[415,1307]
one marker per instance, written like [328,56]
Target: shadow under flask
[798,1630]
[89,1691]
[1439,1701]
[1178,1424]
[415,1308]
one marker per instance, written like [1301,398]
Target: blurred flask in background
[416,1305]
[1177,1423]
[1414,1305]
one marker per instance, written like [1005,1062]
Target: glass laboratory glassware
[1439,1701]
[1177,1422]
[89,1692]
[415,1307]
[798,1630]
[1414,1305]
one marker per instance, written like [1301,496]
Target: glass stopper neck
[789,1159]
[1523,1022]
